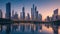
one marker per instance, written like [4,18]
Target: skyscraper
[28,16]
[12,13]
[0,13]
[39,17]
[48,19]
[55,15]
[56,12]
[21,15]
[15,16]
[8,10]
[36,15]
[23,12]
[33,12]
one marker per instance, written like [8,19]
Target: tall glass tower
[56,12]
[8,10]
[23,11]
[33,12]
[0,13]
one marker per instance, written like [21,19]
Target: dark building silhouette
[28,16]
[55,29]
[56,11]
[37,15]
[1,13]
[23,12]
[48,18]
[33,12]
[12,13]
[21,15]
[15,17]
[8,10]
[35,8]
[55,15]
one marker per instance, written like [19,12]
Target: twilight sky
[45,7]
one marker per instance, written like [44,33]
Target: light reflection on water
[59,30]
[27,28]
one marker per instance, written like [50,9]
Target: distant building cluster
[35,15]
[54,17]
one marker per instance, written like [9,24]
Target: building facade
[55,15]
[8,10]
[23,13]
[1,13]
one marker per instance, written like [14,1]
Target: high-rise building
[12,13]
[21,15]
[33,12]
[23,12]
[39,17]
[0,13]
[48,19]
[35,8]
[8,10]
[15,16]
[56,12]
[55,15]
[58,17]
[36,15]
[28,16]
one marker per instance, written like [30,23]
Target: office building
[23,13]
[1,13]
[8,10]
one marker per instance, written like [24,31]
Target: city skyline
[30,16]
[35,15]
[44,9]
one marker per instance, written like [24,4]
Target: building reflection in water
[55,29]
[26,27]
[30,27]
